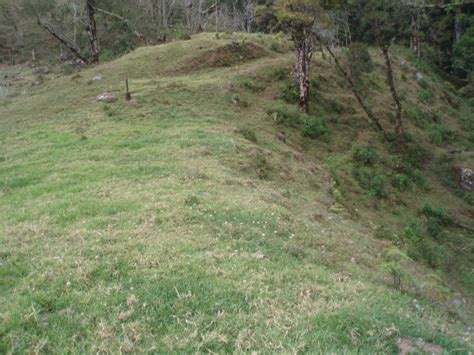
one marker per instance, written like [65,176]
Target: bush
[182,35]
[423,83]
[68,70]
[439,134]
[420,247]
[285,115]
[238,101]
[439,215]
[401,182]
[249,84]
[123,41]
[359,59]
[402,167]
[463,52]
[290,92]
[393,267]
[248,134]
[333,106]
[415,114]
[263,167]
[275,45]
[425,96]
[191,201]
[280,74]
[375,81]
[415,155]
[364,154]
[106,55]
[313,127]
[371,180]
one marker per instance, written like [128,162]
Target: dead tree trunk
[91,29]
[393,90]
[304,52]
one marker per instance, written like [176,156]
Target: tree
[55,16]
[91,29]
[464,54]
[298,17]
[388,21]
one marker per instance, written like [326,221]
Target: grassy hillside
[177,222]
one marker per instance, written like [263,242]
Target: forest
[245,176]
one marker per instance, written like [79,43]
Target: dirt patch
[411,346]
[225,56]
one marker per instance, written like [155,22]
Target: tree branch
[63,40]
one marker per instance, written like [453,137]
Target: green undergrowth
[178,222]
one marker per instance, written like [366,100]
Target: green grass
[165,225]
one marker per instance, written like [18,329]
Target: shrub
[275,45]
[425,96]
[371,180]
[333,106]
[375,81]
[249,84]
[421,247]
[423,83]
[415,155]
[124,41]
[284,115]
[191,201]
[313,127]
[106,55]
[238,101]
[280,74]
[401,182]
[68,70]
[393,267]
[415,114]
[404,168]
[182,35]
[248,134]
[439,134]
[438,214]
[263,167]
[290,91]
[359,59]
[364,154]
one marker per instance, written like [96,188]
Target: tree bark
[361,102]
[457,25]
[304,51]
[91,29]
[393,90]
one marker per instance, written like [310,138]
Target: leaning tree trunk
[393,90]
[359,98]
[62,39]
[304,51]
[91,29]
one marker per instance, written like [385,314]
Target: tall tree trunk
[91,29]
[393,90]
[304,51]
[457,24]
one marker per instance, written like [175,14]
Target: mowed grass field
[156,226]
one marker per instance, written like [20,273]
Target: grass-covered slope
[177,222]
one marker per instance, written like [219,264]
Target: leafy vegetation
[177,222]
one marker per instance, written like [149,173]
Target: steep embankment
[177,222]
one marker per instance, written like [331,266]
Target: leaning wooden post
[128,96]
